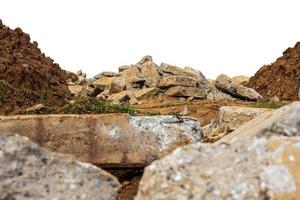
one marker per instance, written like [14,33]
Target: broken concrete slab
[253,168]
[181,91]
[30,172]
[225,84]
[106,140]
[230,119]
[145,93]
[235,116]
[170,81]
[284,121]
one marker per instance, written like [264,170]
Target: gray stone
[181,91]
[118,85]
[27,171]
[230,119]
[240,79]
[123,67]
[106,74]
[170,81]
[131,74]
[284,121]
[145,93]
[225,84]
[250,169]
[145,59]
[150,74]
[174,70]
[216,95]
[76,90]
[120,97]
[202,82]
[103,83]
[235,116]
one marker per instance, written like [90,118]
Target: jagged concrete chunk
[234,116]
[106,74]
[225,84]
[284,121]
[145,93]
[150,74]
[107,140]
[118,85]
[230,119]
[27,171]
[250,169]
[216,95]
[103,83]
[123,67]
[181,91]
[170,81]
[174,70]
[240,79]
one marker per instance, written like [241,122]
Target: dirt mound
[281,78]
[25,68]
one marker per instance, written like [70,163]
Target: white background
[215,36]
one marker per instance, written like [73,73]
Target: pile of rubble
[259,159]
[146,79]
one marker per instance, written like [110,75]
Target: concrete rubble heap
[134,83]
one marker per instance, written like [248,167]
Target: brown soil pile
[282,78]
[24,68]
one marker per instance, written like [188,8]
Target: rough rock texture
[108,139]
[117,85]
[216,95]
[78,84]
[145,93]
[225,84]
[284,121]
[107,74]
[174,81]
[170,81]
[174,70]
[103,83]
[150,73]
[120,97]
[281,78]
[230,118]
[131,74]
[29,172]
[76,90]
[250,169]
[31,75]
[123,67]
[202,82]
[234,116]
[181,91]
[240,79]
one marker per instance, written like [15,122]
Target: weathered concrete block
[29,172]
[253,168]
[106,140]
[234,116]
[284,121]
